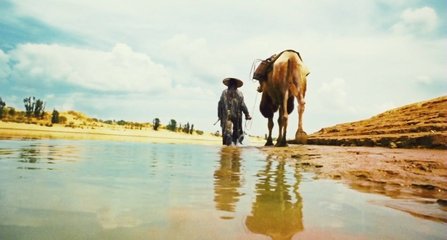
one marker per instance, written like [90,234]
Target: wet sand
[415,179]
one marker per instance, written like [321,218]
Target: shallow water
[61,189]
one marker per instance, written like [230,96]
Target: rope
[253,68]
[253,112]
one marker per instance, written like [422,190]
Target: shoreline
[10,130]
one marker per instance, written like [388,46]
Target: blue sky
[137,60]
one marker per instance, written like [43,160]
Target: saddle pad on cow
[266,65]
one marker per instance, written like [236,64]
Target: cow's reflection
[277,209]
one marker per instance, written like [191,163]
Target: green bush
[172,126]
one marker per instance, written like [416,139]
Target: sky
[137,60]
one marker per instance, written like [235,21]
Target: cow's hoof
[301,137]
[269,143]
[282,143]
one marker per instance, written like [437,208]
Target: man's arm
[244,107]
[221,106]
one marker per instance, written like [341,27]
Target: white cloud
[333,96]
[120,70]
[5,70]
[357,66]
[419,21]
[423,79]
[193,60]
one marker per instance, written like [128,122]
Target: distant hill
[422,124]
[78,120]
[71,119]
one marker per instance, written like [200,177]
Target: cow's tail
[293,76]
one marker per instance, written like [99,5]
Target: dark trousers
[232,135]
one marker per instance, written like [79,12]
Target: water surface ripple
[81,189]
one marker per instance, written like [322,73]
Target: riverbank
[117,133]
[418,125]
[416,179]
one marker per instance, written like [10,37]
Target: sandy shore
[415,179]
[22,130]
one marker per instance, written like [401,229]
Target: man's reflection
[277,209]
[227,180]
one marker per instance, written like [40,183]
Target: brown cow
[285,81]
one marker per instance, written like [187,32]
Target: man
[230,108]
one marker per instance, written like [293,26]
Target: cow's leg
[283,118]
[267,109]
[300,136]
[278,140]
[301,105]
[270,127]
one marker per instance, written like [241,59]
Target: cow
[286,80]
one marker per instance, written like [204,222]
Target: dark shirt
[232,100]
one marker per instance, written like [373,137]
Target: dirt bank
[422,124]
[416,179]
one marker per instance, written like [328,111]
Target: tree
[172,125]
[29,105]
[34,107]
[191,130]
[12,111]
[186,128]
[55,116]
[156,123]
[121,122]
[2,107]
[39,109]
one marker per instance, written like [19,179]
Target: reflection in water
[6,151]
[277,209]
[34,155]
[125,190]
[227,179]
[29,154]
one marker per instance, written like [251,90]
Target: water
[61,189]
